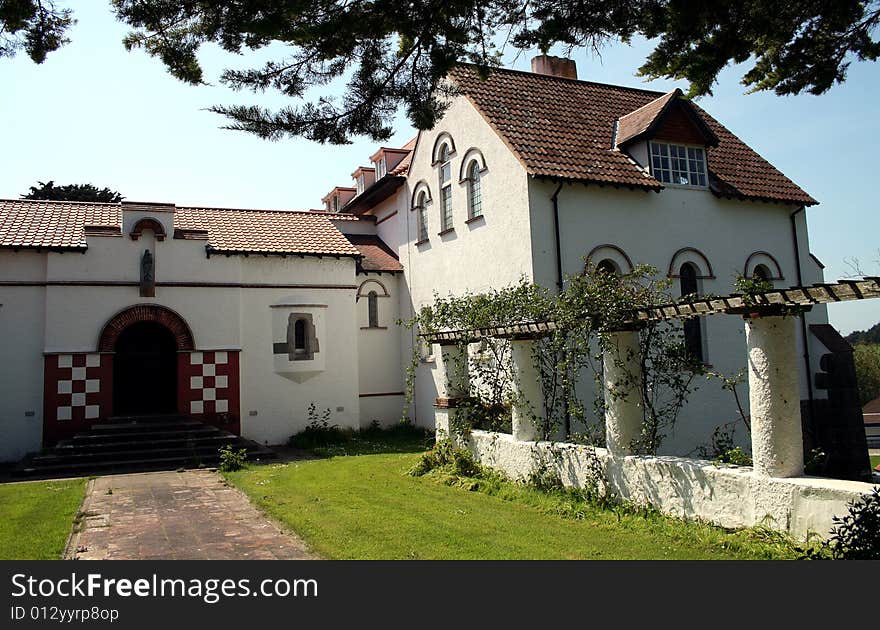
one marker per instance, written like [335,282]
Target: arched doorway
[145,370]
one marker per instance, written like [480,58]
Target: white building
[246,317]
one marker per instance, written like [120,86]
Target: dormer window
[678,164]
[360,184]
[380,168]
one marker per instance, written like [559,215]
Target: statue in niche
[148,276]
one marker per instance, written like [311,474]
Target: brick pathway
[190,515]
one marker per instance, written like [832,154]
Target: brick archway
[146,313]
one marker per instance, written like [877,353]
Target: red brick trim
[146,313]
[147,224]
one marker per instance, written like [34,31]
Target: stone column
[774,397]
[452,383]
[529,400]
[622,378]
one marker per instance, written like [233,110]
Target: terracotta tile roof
[564,128]
[377,255]
[403,167]
[52,224]
[61,225]
[639,120]
[266,231]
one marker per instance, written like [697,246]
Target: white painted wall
[728,496]
[69,318]
[491,252]
[651,227]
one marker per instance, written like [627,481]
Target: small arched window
[422,217]
[445,189]
[693,327]
[608,266]
[475,193]
[761,273]
[373,309]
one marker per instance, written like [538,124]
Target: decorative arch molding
[146,313]
[363,290]
[694,256]
[612,252]
[471,155]
[766,259]
[421,186]
[443,138]
[147,223]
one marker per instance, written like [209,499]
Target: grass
[37,518]
[366,506]
[875,461]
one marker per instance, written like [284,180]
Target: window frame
[656,173]
[373,310]
[421,218]
[474,190]
[444,175]
[692,327]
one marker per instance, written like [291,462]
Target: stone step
[138,443]
[123,466]
[153,425]
[198,450]
[85,439]
[126,444]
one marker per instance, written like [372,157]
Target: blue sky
[94,113]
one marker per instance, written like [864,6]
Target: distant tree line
[866,355]
[48,191]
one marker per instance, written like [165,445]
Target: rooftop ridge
[553,77]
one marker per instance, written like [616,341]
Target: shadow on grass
[334,442]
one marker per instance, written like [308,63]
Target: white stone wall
[728,496]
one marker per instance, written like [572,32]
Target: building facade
[245,318]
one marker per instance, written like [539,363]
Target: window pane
[445,171]
[445,208]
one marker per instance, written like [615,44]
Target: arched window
[475,193]
[422,217]
[373,309]
[445,189]
[693,330]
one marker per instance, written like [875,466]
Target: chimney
[555,66]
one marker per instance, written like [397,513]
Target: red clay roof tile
[377,255]
[564,128]
[49,225]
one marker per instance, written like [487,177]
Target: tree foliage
[395,55]
[72,192]
[37,26]
[867,362]
[872,335]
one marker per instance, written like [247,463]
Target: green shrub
[447,457]
[231,459]
[856,536]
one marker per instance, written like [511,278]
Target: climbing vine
[568,357]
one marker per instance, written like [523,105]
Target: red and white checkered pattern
[209,382]
[79,387]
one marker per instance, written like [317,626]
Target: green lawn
[875,460]
[36,517]
[366,506]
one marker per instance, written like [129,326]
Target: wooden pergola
[769,302]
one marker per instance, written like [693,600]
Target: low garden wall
[729,496]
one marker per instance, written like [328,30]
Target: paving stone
[176,515]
